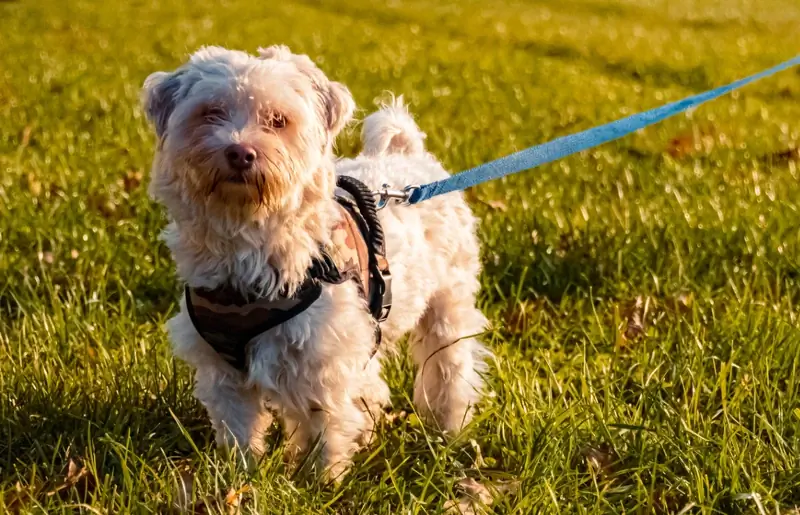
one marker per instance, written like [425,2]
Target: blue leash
[567,145]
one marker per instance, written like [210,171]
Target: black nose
[240,157]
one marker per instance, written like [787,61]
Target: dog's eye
[275,121]
[213,114]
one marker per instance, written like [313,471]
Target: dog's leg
[345,421]
[297,431]
[449,357]
[338,429]
[238,413]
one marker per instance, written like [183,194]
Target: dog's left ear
[340,105]
[337,102]
[159,97]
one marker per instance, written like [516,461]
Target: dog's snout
[240,157]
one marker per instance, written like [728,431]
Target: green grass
[689,400]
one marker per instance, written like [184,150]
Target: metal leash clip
[386,193]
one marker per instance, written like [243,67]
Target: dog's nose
[240,157]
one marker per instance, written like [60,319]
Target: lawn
[644,296]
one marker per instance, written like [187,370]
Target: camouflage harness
[228,320]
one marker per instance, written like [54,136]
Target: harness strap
[227,320]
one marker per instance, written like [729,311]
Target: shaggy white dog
[246,170]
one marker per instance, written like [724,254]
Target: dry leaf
[498,205]
[33,184]
[634,318]
[601,459]
[684,302]
[692,142]
[394,416]
[478,462]
[233,499]
[19,497]
[790,154]
[26,136]
[77,476]
[46,257]
[477,496]
[132,180]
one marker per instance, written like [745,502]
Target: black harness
[228,320]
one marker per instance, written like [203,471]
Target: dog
[245,167]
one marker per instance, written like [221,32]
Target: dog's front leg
[338,429]
[238,413]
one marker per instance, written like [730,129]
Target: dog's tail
[391,130]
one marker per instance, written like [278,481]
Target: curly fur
[259,231]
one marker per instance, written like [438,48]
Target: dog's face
[239,131]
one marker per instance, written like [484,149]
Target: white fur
[315,370]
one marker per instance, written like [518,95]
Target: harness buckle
[386,193]
[386,296]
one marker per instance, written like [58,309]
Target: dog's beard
[209,180]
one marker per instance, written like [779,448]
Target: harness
[227,320]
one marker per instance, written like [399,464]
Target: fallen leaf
[478,461]
[233,499]
[634,317]
[47,257]
[26,136]
[132,180]
[77,476]
[394,416]
[692,142]
[102,203]
[790,154]
[477,496]
[498,205]
[33,184]
[600,459]
[184,488]
[17,498]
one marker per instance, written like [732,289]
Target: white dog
[246,170]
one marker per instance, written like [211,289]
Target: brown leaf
[390,417]
[19,497]
[77,476]
[26,136]
[233,499]
[33,184]
[498,205]
[184,489]
[634,317]
[478,462]
[102,203]
[684,302]
[46,257]
[692,142]
[790,154]
[477,496]
[601,459]
[132,180]
[519,315]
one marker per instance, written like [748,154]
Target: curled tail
[391,130]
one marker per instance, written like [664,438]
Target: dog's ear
[340,106]
[336,101]
[159,97]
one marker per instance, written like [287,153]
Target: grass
[645,295]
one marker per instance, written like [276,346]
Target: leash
[562,147]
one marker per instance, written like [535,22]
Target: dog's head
[238,131]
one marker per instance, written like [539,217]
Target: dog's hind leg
[449,358]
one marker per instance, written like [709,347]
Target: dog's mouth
[235,179]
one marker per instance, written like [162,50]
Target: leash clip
[386,193]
